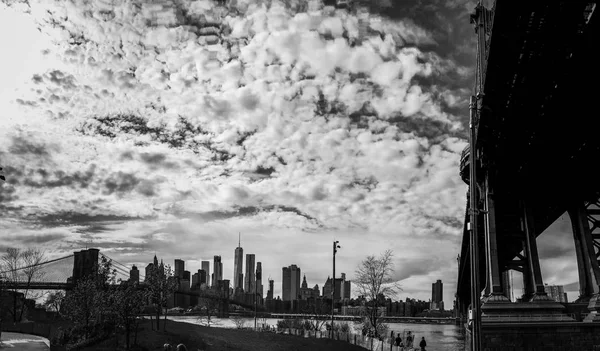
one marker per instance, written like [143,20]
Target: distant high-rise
[134,275]
[186,277]
[556,292]
[202,277]
[437,295]
[259,287]
[179,268]
[218,271]
[249,279]
[238,261]
[206,268]
[149,269]
[290,283]
[270,292]
[195,280]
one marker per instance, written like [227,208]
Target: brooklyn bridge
[531,157]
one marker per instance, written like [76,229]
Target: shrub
[283,324]
[344,327]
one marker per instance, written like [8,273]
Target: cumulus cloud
[182,122]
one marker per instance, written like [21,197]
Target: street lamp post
[335,247]
[255,301]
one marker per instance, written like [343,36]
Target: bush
[295,323]
[344,327]
[308,325]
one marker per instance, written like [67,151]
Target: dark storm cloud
[27,145]
[407,268]
[43,178]
[245,211]
[79,219]
[120,182]
[7,194]
[182,136]
[40,238]
[448,21]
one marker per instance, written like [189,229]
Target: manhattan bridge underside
[537,147]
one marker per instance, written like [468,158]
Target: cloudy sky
[133,127]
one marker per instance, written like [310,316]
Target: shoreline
[197,337]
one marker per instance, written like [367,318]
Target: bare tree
[373,280]
[54,301]
[208,303]
[320,312]
[22,266]
[32,260]
[239,321]
[126,302]
[161,286]
[89,301]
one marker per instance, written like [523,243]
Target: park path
[23,342]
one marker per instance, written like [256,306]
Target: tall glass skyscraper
[238,261]
[206,269]
[218,271]
[249,281]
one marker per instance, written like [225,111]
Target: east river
[443,337]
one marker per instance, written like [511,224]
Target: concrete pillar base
[594,308]
[534,311]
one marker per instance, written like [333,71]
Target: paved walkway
[23,342]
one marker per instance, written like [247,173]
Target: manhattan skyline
[125,131]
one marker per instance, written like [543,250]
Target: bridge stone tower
[85,263]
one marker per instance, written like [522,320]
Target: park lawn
[197,337]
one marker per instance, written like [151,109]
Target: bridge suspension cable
[39,264]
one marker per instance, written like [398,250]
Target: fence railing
[366,342]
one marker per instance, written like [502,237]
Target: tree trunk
[14,307]
[158,318]
[127,333]
[137,324]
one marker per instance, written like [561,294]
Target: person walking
[398,340]
[423,343]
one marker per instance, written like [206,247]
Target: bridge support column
[534,272]
[493,289]
[587,261]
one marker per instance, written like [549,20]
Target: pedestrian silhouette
[423,343]
[398,340]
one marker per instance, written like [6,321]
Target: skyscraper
[250,279]
[218,271]
[202,277]
[259,287]
[270,292]
[179,267]
[238,261]
[206,269]
[556,292]
[134,275]
[437,295]
[290,283]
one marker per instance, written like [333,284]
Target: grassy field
[197,337]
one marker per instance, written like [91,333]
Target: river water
[443,337]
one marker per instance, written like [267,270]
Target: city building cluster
[247,285]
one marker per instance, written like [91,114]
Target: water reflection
[446,337]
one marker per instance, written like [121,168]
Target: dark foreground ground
[197,337]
